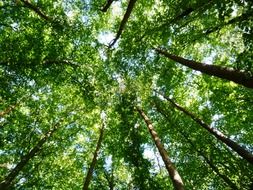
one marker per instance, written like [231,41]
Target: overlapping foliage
[77,64]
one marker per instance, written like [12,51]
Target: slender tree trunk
[174,175]
[109,177]
[107,5]
[94,160]
[5,184]
[200,153]
[219,135]
[211,165]
[124,21]
[238,77]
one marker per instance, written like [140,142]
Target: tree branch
[230,74]
[35,9]
[107,5]
[124,21]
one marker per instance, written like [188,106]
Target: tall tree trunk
[107,5]
[124,21]
[200,153]
[219,135]
[94,160]
[211,164]
[238,77]
[5,184]
[174,175]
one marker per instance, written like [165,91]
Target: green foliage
[55,66]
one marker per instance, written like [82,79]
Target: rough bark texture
[5,184]
[124,21]
[94,160]
[34,8]
[238,77]
[219,135]
[174,175]
[107,5]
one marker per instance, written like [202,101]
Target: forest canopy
[126,94]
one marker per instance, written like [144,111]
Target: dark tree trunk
[5,184]
[200,153]
[238,77]
[211,165]
[107,5]
[94,160]
[110,179]
[124,21]
[174,175]
[219,135]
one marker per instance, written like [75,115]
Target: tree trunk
[219,135]
[94,160]
[174,175]
[5,184]
[211,164]
[124,21]
[238,77]
[200,153]
[107,5]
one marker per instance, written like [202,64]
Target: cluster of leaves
[60,66]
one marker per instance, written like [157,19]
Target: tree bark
[107,5]
[215,132]
[5,184]
[174,175]
[94,160]
[238,77]
[124,21]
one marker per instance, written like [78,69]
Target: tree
[5,184]
[213,70]
[94,160]
[219,135]
[174,175]
[77,59]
